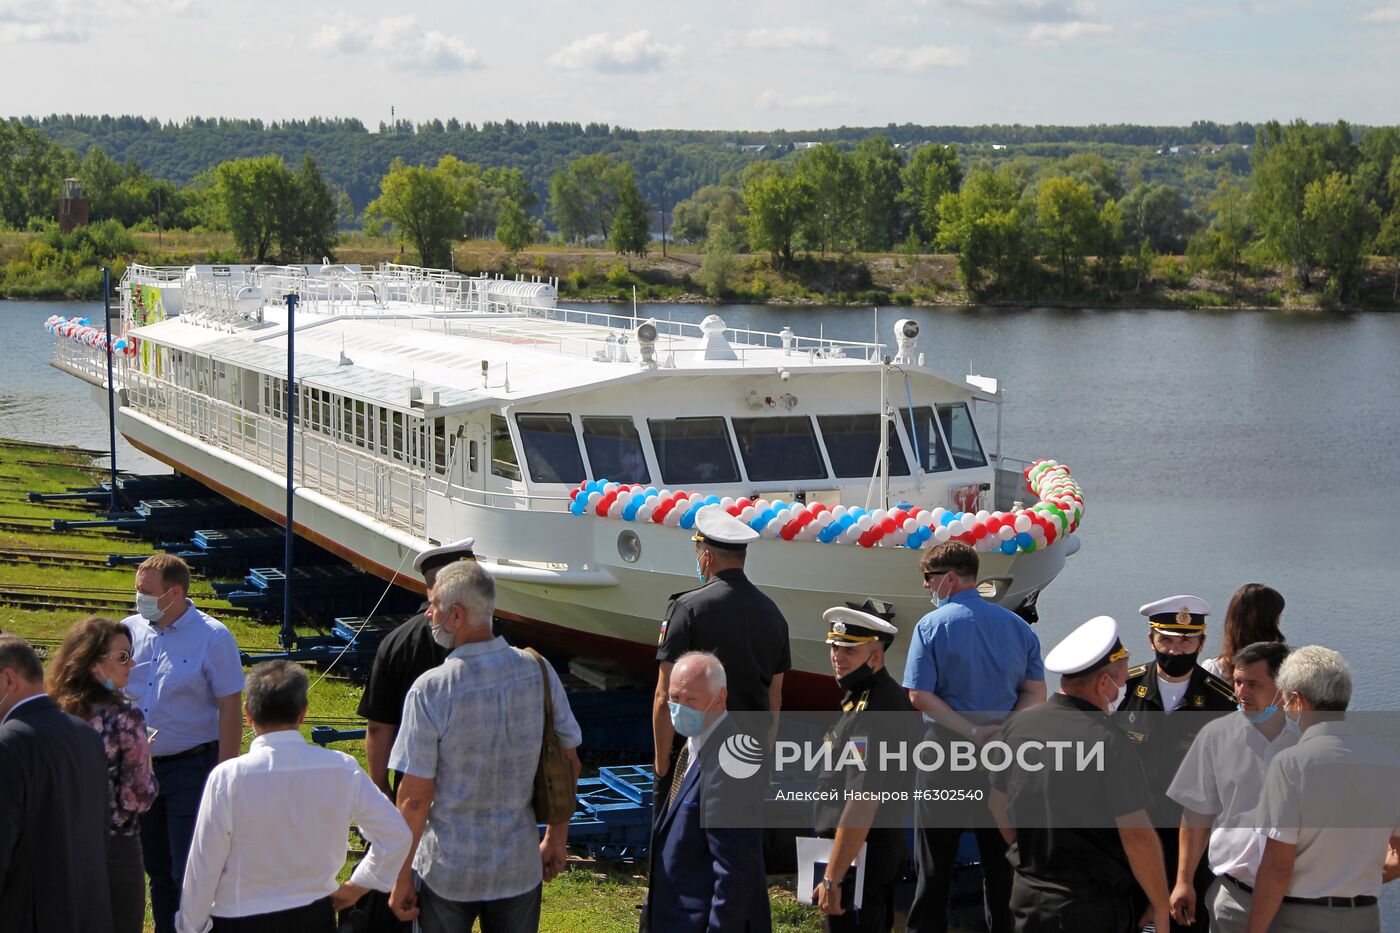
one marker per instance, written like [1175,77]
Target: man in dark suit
[53,807]
[707,850]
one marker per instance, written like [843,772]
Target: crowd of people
[1234,794]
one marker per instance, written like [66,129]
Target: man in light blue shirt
[468,748]
[187,680]
[970,664]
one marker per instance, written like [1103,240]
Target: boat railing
[389,492]
[741,336]
[152,275]
[441,486]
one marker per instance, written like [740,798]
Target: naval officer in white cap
[1080,839]
[875,714]
[1169,701]
[728,616]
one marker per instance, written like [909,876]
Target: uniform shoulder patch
[1137,671]
[1220,687]
[661,639]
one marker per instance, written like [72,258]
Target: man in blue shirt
[970,663]
[188,683]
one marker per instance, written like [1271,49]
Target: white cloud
[1029,11]
[1389,13]
[915,60]
[1057,33]
[401,41]
[40,32]
[772,100]
[630,54]
[786,37]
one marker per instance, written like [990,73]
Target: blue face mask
[1292,725]
[700,572]
[1261,716]
[687,721]
[108,684]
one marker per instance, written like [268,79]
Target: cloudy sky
[715,64]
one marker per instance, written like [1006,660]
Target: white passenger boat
[431,406]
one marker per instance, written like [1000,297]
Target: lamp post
[287,637]
[111,385]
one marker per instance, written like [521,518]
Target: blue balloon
[688,519]
[1008,547]
[946,518]
[778,504]
[651,491]
[630,511]
[1024,539]
[712,500]
[578,505]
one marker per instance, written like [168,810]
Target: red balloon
[573,493]
[887,526]
[744,503]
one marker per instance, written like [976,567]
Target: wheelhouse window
[693,450]
[962,435]
[551,448]
[853,442]
[615,449]
[776,449]
[924,438]
[503,459]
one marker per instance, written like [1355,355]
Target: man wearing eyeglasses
[971,662]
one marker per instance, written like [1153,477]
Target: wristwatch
[830,884]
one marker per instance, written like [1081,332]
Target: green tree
[1067,225]
[878,170]
[631,227]
[251,195]
[691,218]
[1342,226]
[513,227]
[778,202]
[100,175]
[831,178]
[32,169]
[311,216]
[584,196]
[1159,214]
[720,265]
[1286,160]
[1387,242]
[933,172]
[1220,247]
[987,224]
[427,206]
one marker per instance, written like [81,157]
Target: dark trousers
[518,914]
[1038,911]
[885,857]
[167,829]
[1201,878]
[316,917]
[934,857]
[126,883]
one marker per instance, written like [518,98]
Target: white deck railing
[390,493]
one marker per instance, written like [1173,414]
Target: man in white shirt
[1219,783]
[272,829]
[1329,809]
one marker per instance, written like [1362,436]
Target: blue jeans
[518,914]
[167,829]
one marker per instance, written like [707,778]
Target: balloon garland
[80,330]
[1058,513]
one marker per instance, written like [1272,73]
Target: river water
[1214,449]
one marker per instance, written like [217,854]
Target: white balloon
[762,504]
[823,519]
[726,502]
[839,510]
[747,513]
[864,523]
[1023,522]
[908,527]
[983,515]
[644,513]
[941,534]
[1006,533]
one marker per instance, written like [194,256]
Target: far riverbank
[31,270]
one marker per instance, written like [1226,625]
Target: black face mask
[1175,665]
[855,678]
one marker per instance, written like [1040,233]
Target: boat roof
[394,351]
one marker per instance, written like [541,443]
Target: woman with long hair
[86,678]
[1253,616]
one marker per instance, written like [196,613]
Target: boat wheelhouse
[430,406]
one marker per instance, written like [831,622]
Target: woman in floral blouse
[86,678]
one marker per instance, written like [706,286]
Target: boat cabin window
[551,448]
[503,461]
[615,449]
[853,442]
[927,444]
[693,450]
[779,449]
[962,435]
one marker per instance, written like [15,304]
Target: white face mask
[148,606]
[1122,692]
[442,636]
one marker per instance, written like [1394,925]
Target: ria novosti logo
[741,756]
